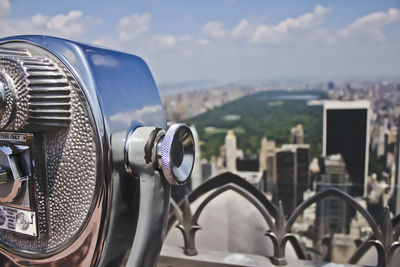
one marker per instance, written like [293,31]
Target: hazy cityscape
[359,155]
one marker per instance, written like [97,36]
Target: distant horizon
[187,86]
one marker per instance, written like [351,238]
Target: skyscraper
[297,135]
[263,154]
[332,214]
[268,164]
[232,153]
[293,161]
[346,132]
[286,164]
[196,176]
[303,172]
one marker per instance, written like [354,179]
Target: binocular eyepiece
[85,161]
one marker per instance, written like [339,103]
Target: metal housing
[118,93]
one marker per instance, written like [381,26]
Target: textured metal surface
[40,93]
[13,67]
[8,101]
[384,239]
[66,176]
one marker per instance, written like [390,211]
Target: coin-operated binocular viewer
[85,161]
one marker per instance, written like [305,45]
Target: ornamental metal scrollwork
[384,238]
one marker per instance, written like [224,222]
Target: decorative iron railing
[384,237]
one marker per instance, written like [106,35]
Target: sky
[227,40]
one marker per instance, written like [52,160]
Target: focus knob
[171,152]
[176,153]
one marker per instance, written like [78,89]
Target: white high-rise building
[297,135]
[263,154]
[232,153]
[267,161]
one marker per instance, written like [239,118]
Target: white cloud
[214,29]
[163,42]
[275,33]
[256,33]
[371,25]
[202,42]
[70,25]
[133,34]
[133,26]
[243,28]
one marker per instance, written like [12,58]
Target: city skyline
[227,40]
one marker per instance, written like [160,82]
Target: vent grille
[4,51]
[49,100]
[46,88]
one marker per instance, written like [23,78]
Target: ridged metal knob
[176,153]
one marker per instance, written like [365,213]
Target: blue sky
[227,40]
